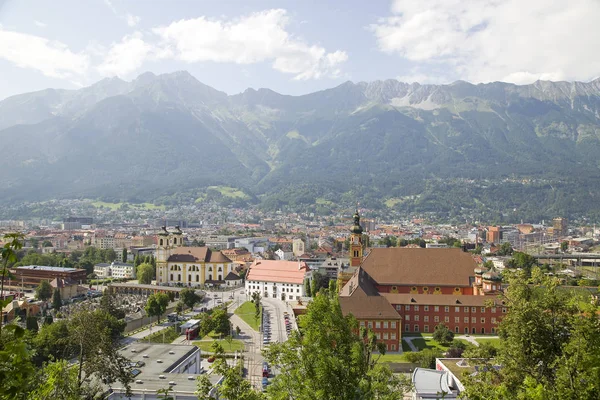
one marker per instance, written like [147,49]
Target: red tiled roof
[277,271]
[197,254]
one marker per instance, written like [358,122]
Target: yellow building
[188,266]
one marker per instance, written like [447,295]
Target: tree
[221,323]
[8,253]
[43,291]
[145,273]
[56,300]
[17,372]
[52,341]
[57,380]
[229,339]
[237,330]
[189,297]
[443,335]
[137,260]
[505,249]
[307,288]
[47,243]
[550,343]
[31,323]
[124,255]
[156,305]
[95,336]
[425,358]
[179,307]
[233,385]
[564,246]
[332,359]
[108,304]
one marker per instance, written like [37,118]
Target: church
[412,290]
[177,265]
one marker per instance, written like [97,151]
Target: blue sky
[296,47]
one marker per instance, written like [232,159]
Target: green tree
[189,297]
[443,335]
[330,360]
[550,341]
[43,291]
[56,300]
[179,307]
[17,372]
[221,323]
[8,254]
[31,323]
[564,246]
[307,288]
[52,341]
[425,358]
[108,304]
[124,255]
[145,273]
[57,380]
[95,336]
[505,249]
[137,260]
[47,243]
[156,305]
[233,385]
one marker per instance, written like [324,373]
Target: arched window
[161,242]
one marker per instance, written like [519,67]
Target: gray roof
[47,268]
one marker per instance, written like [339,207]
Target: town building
[424,287]
[66,287]
[560,226]
[156,366]
[122,271]
[277,279]
[32,275]
[188,266]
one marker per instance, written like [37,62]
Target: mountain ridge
[382,139]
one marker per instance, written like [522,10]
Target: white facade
[292,291]
[122,271]
[102,270]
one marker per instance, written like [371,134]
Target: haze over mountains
[489,149]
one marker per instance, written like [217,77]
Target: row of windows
[416,307]
[456,329]
[379,324]
[210,277]
[275,284]
[436,318]
[385,336]
[287,290]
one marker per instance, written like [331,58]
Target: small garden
[228,344]
[248,312]
[167,335]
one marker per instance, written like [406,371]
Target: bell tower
[356,242]
[163,251]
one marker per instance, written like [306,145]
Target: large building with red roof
[413,290]
[277,279]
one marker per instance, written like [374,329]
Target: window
[407,318]
[466,309]
[503,309]
[466,330]
[473,320]
[436,308]
[377,325]
[493,310]
[398,307]
[385,335]
[483,320]
[466,320]
[426,318]
[493,330]
[456,309]
[385,324]
[393,336]
[456,329]
[493,320]
[171,277]
[456,320]
[406,327]
[197,278]
[473,309]
[446,309]
[425,289]
[407,307]
[426,328]
[370,324]
[189,277]
[416,307]
[393,323]
[482,310]
[426,308]
[446,319]
[416,328]
[378,335]
[179,277]
[436,319]
[362,324]
[416,318]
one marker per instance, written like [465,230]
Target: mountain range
[494,150]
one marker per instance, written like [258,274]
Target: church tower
[356,242]
[163,251]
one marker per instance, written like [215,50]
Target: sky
[296,46]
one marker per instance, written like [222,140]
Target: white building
[277,279]
[120,270]
[102,270]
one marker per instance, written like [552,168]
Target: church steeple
[356,242]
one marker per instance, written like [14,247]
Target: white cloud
[132,20]
[40,24]
[125,56]
[488,40]
[254,38]
[52,58]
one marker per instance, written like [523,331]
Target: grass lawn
[246,312]
[392,358]
[166,335]
[206,345]
[494,342]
